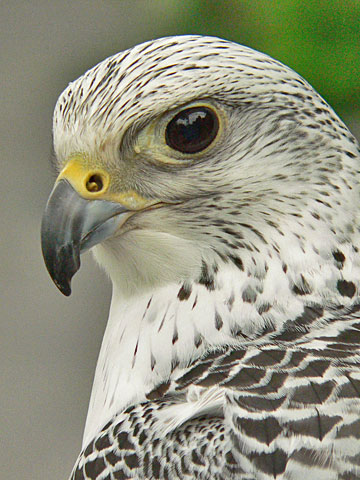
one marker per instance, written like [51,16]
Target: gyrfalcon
[220,193]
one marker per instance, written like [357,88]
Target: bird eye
[192,130]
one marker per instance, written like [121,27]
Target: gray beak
[72,225]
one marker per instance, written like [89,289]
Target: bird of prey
[221,194]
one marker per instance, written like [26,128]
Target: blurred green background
[320,39]
[49,344]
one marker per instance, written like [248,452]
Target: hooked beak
[71,225]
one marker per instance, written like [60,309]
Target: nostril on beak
[94,183]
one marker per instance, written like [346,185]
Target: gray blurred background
[48,343]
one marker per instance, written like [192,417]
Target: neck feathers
[152,337]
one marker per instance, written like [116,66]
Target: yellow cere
[93,183]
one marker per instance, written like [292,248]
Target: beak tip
[62,263]
[65,290]
[62,279]
[64,286]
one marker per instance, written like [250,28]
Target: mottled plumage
[232,346]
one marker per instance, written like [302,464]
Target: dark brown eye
[192,130]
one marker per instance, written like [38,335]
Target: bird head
[189,151]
